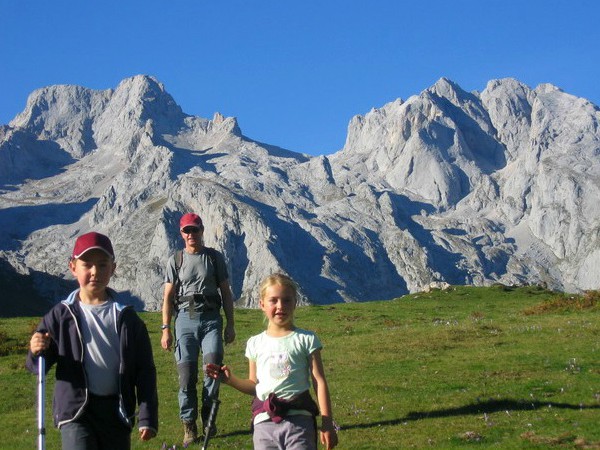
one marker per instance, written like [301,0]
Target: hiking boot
[190,433]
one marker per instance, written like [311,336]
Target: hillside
[466,367]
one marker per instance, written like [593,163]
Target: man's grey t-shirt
[197,274]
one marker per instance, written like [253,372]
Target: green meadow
[464,368]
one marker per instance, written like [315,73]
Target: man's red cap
[190,220]
[90,241]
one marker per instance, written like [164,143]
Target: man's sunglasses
[190,230]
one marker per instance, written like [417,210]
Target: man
[193,280]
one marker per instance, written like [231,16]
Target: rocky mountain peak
[447,186]
[144,98]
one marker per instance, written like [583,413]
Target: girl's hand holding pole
[215,371]
[225,375]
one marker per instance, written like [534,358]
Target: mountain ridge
[498,186]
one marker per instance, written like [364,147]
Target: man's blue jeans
[203,332]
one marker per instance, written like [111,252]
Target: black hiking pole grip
[41,402]
[212,417]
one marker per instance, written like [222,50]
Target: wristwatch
[165,326]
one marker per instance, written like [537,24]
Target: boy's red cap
[90,241]
[190,220]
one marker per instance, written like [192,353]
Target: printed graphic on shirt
[279,365]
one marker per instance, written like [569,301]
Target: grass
[465,368]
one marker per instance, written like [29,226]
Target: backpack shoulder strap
[178,261]
[212,254]
[177,281]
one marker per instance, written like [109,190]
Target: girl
[282,360]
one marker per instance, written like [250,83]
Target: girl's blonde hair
[281,279]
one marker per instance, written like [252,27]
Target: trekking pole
[212,417]
[41,402]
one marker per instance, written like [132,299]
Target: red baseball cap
[90,241]
[190,220]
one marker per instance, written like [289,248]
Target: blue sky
[295,72]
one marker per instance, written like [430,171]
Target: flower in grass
[572,366]
[472,436]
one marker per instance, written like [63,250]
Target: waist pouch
[198,302]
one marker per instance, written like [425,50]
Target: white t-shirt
[101,347]
[282,365]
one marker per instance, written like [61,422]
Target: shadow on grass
[237,433]
[487,407]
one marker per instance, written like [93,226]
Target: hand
[329,439]
[328,433]
[39,342]
[214,371]
[146,434]
[229,334]
[166,339]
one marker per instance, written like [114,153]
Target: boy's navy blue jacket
[137,373]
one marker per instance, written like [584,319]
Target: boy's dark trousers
[98,428]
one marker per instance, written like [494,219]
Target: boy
[103,357]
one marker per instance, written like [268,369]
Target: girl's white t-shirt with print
[282,364]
